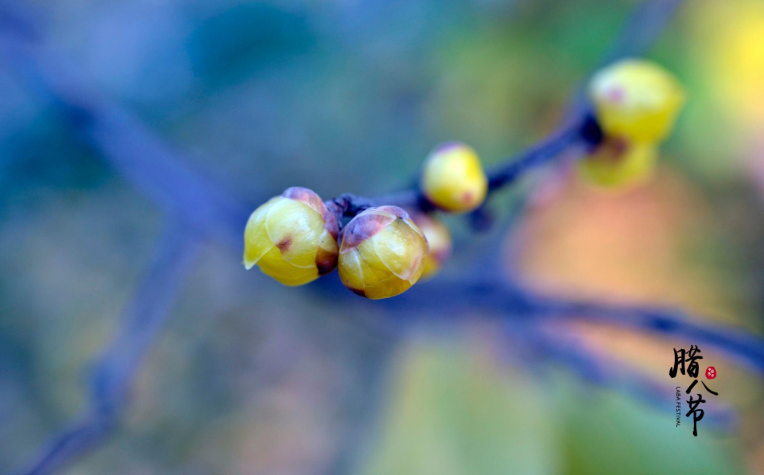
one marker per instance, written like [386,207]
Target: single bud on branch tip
[453,178]
[636,99]
[292,237]
[382,253]
[438,239]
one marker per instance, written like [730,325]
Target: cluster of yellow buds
[382,251]
[636,104]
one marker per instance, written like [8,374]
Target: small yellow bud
[618,163]
[292,237]
[438,239]
[636,99]
[453,178]
[382,253]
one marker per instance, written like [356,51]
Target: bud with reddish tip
[382,253]
[292,237]
[453,178]
[636,99]
[438,239]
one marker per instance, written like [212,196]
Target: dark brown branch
[508,301]
[639,33]
[582,131]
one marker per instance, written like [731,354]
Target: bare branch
[642,29]
[583,131]
[669,323]
[553,347]
[139,155]
[506,300]
[117,368]
[639,33]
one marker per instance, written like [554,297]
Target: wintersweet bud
[619,163]
[636,99]
[382,253]
[453,178]
[438,239]
[292,237]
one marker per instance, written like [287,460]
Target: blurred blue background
[349,96]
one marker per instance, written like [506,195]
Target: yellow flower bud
[618,163]
[382,253]
[636,99]
[438,239]
[453,178]
[292,237]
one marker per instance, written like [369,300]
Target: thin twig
[552,347]
[508,301]
[639,33]
[117,368]
[581,131]
[139,155]
[668,323]
[642,29]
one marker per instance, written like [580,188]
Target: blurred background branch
[509,301]
[546,344]
[145,160]
[115,371]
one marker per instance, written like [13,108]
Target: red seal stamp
[710,372]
